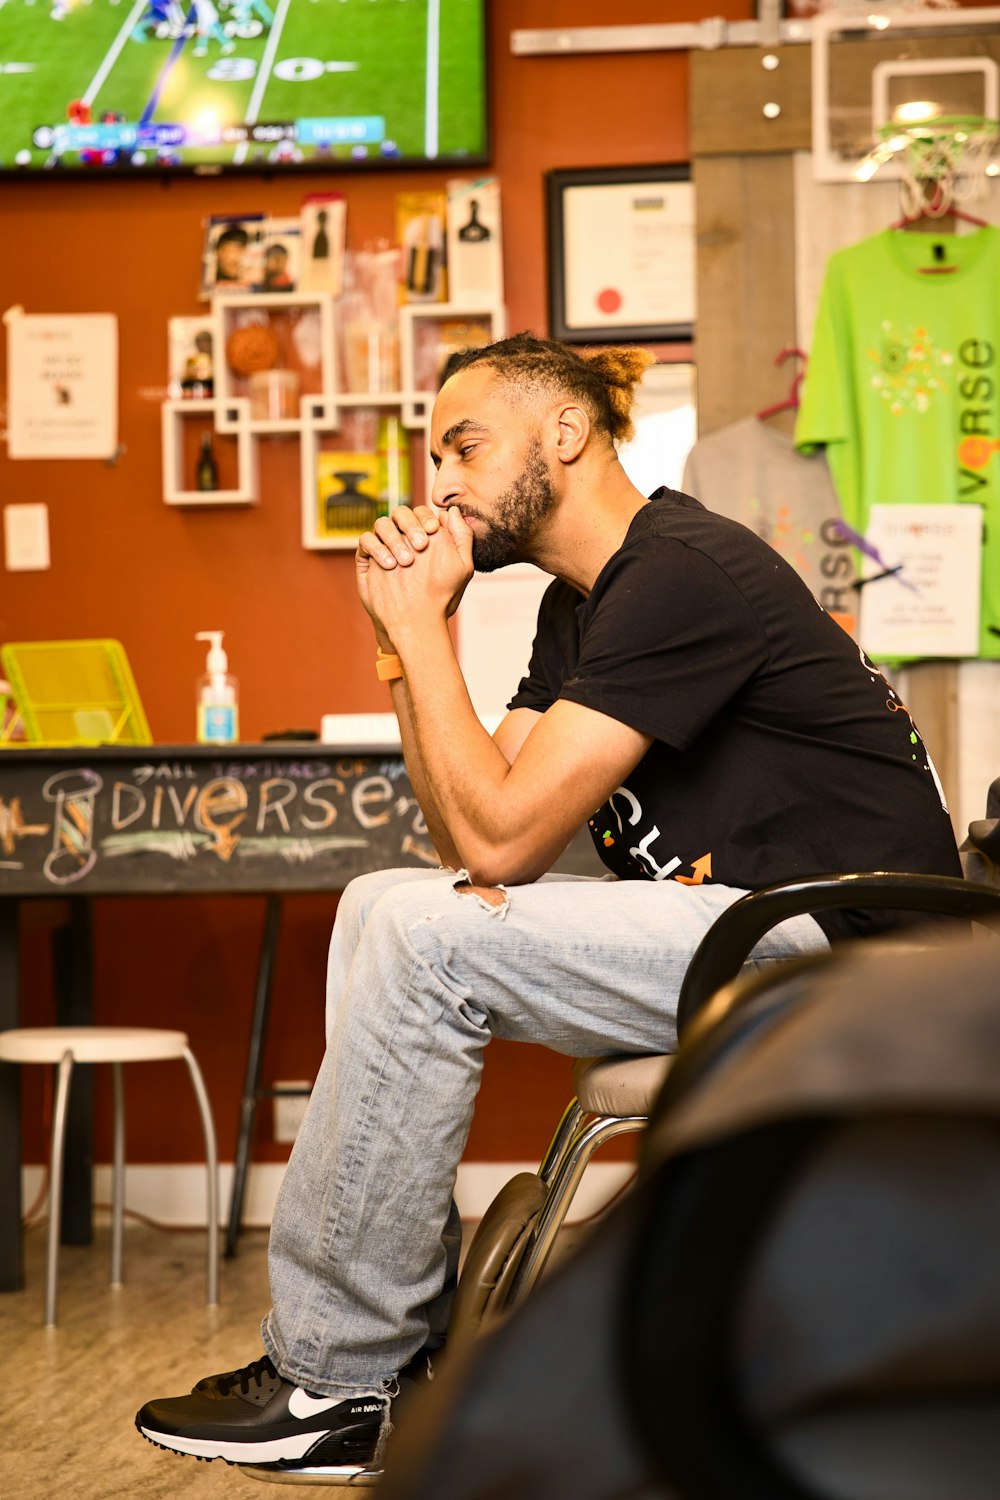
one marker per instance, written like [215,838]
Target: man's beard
[519,510]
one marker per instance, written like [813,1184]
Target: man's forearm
[436,825]
[461,767]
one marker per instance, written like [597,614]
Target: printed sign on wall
[63,379]
[925,601]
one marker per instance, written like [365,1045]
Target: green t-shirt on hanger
[903,383]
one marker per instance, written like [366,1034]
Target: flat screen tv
[129,86]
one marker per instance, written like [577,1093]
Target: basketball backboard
[871,70]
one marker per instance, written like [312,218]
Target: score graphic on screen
[211,85]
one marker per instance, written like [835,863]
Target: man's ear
[574,430]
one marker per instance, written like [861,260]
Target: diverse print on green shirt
[902,384]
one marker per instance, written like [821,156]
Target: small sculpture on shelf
[198,382]
[349,509]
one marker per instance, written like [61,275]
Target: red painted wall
[127,566]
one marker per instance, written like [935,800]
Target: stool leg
[55,1185]
[118,1178]
[251,1082]
[212,1167]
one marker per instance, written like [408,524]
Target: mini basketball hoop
[940,162]
[923,71]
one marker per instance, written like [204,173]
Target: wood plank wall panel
[742,166]
[729,89]
[746,283]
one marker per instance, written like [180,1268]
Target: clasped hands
[413,566]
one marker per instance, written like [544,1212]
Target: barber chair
[798,1301]
[980,850]
[517,1234]
[576,1323]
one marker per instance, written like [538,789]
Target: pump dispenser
[217,695]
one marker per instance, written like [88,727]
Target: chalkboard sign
[160,818]
[134,820]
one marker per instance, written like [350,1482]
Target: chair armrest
[732,937]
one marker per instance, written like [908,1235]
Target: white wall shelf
[179,460]
[306,328]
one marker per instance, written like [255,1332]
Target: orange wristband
[387,665]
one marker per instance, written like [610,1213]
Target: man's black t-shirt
[779,751]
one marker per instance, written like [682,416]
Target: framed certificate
[621,247]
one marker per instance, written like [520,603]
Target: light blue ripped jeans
[365,1237]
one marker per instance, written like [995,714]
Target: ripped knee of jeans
[492,898]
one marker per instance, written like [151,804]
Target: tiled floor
[71,1392]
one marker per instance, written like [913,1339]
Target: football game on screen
[139,84]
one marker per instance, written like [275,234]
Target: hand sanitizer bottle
[217,696]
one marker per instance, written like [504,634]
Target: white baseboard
[175,1195]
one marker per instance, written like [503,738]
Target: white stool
[65,1045]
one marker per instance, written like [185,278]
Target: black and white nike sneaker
[254,1416]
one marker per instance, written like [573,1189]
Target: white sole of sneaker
[342,1478]
[236,1453]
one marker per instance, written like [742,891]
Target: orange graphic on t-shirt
[702,871]
[975,452]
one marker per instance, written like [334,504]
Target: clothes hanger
[934,211]
[952,212]
[791,401]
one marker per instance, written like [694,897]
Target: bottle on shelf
[217,695]
[206,475]
[393,451]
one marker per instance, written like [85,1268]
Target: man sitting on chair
[689,701]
